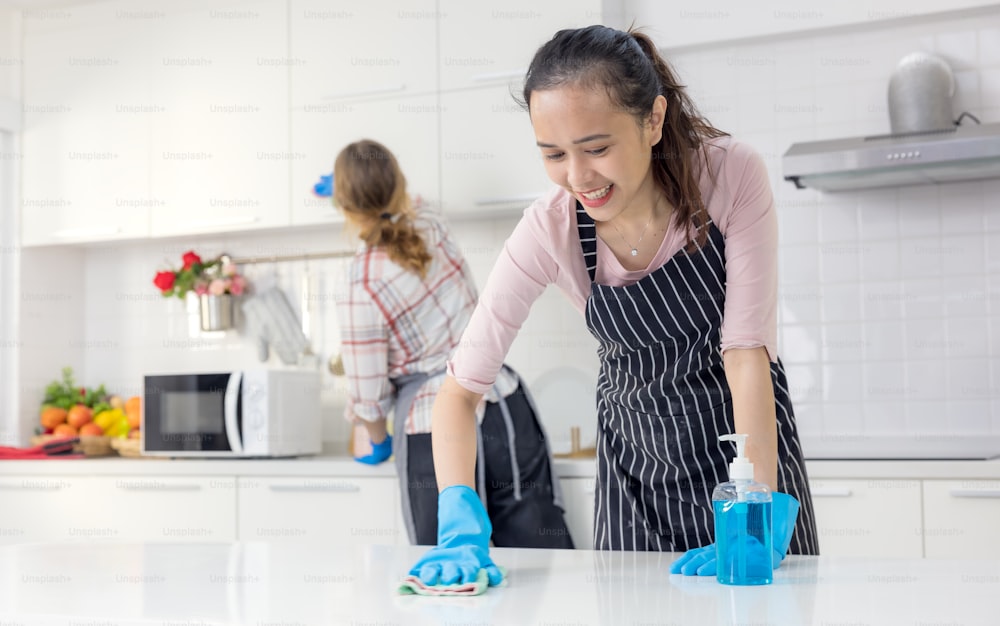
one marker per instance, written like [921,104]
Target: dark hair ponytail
[631,70]
[370,187]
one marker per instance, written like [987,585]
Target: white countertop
[279,584]
[343,465]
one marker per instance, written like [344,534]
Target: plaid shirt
[394,323]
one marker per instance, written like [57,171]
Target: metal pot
[216,312]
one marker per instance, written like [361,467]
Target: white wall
[10,75]
[131,330]
[890,299]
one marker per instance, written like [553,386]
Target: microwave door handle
[231,402]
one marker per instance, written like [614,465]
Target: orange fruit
[133,410]
[79,415]
[135,433]
[64,430]
[90,429]
[52,416]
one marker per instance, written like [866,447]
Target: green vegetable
[64,394]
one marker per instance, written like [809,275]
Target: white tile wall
[127,329]
[889,302]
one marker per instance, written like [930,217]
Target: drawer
[147,508]
[961,519]
[872,518]
[333,511]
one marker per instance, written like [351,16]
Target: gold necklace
[635,248]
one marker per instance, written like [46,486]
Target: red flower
[164,281]
[190,258]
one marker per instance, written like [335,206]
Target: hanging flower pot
[215,282]
[215,312]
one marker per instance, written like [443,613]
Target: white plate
[566,397]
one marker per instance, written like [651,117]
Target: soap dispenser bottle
[742,523]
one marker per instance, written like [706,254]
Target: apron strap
[406,391]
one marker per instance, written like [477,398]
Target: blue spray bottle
[742,523]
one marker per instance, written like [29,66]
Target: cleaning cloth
[413,585]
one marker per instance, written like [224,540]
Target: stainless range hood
[967,152]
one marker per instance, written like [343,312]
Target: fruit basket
[93,415]
[89,446]
[127,447]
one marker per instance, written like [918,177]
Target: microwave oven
[250,413]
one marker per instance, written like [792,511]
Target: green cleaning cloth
[413,585]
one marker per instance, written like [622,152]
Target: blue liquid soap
[743,539]
[742,510]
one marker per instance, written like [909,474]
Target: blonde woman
[411,295]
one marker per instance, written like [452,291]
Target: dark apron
[663,401]
[406,390]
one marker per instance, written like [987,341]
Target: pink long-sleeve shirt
[544,249]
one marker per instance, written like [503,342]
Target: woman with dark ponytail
[411,294]
[662,231]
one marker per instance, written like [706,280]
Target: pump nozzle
[740,468]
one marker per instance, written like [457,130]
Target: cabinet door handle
[972,492]
[330,488]
[144,487]
[98,231]
[518,73]
[222,222]
[508,199]
[830,492]
[366,92]
[31,487]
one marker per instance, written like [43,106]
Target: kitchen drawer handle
[140,487]
[334,488]
[508,200]
[366,92]
[73,233]
[222,222]
[831,492]
[974,493]
[52,487]
[518,73]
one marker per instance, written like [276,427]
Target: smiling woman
[661,230]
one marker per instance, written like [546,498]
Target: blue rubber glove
[380,452]
[784,512]
[464,532]
[324,188]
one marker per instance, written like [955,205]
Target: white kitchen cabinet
[219,148]
[961,519]
[716,21]
[107,509]
[87,115]
[361,49]
[491,42]
[489,160]
[338,510]
[408,126]
[578,499]
[873,518]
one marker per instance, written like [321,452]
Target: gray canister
[920,93]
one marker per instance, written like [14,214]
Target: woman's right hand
[464,531]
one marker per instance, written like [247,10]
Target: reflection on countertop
[270,583]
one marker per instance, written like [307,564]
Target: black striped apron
[663,401]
